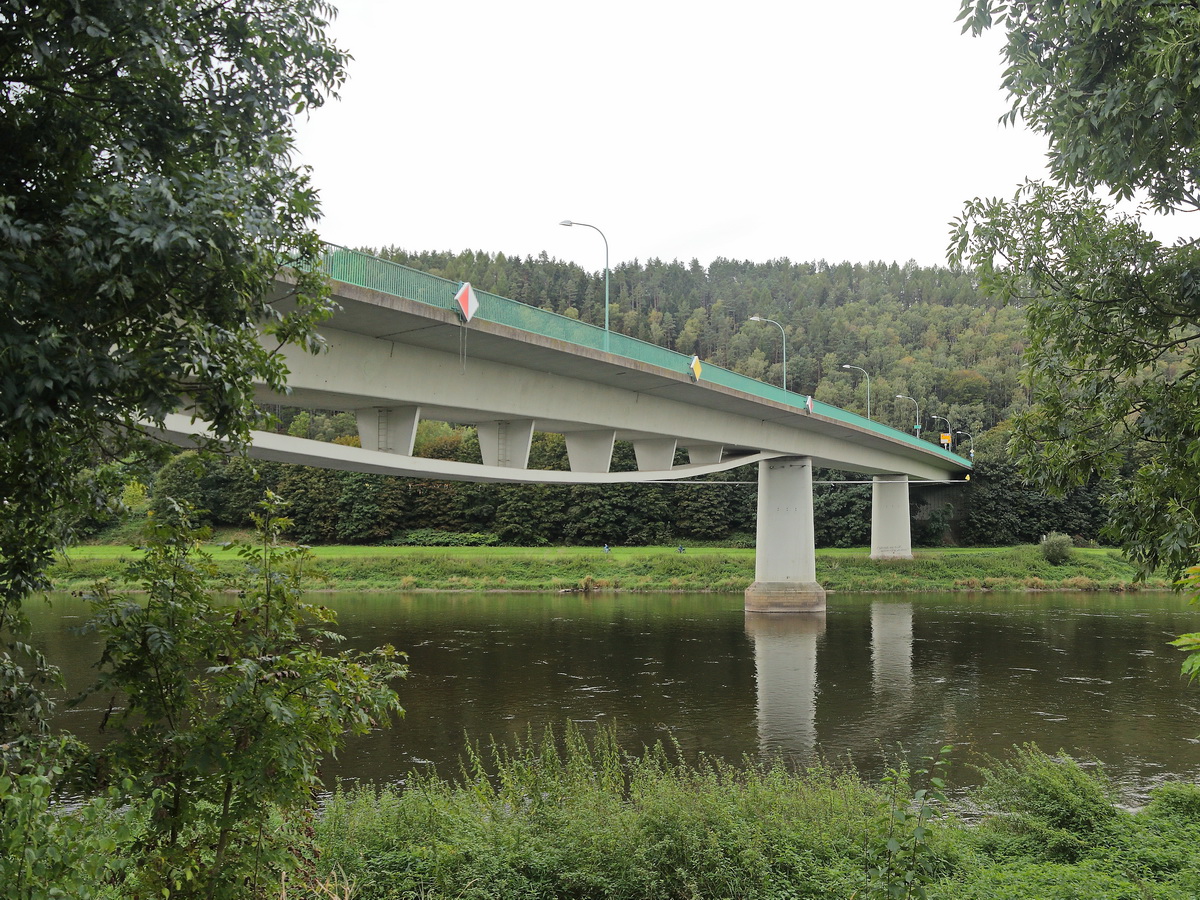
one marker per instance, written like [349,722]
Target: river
[1087,673]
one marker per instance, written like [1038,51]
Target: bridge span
[399,351]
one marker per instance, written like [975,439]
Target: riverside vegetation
[582,819]
[574,816]
[354,568]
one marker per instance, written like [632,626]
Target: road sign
[468,305]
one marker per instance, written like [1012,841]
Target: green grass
[359,568]
[573,817]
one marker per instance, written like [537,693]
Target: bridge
[399,350]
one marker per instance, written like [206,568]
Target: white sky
[751,130]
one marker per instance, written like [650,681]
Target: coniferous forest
[925,333]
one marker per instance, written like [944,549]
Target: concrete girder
[654,454]
[391,429]
[360,368]
[183,431]
[506,443]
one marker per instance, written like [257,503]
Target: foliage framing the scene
[226,708]
[147,200]
[1113,313]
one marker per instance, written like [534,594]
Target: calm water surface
[1088,673]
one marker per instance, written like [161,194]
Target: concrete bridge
[400,350]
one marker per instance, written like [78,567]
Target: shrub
[1176,800]
[432,537]
[578,817]
[1051,804]
[1056,548]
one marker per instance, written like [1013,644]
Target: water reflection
[891,650]
[785,664]
[1088,673]
[786,651]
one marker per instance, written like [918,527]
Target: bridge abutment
[891,521]
[785,563]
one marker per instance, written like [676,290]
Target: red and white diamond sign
[467,303]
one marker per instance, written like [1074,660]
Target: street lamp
[784,333]
[917,426]
[569,223]
[943,419]
[864,371]
[972,440]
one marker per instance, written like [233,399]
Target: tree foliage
[147,201]
[226,709]
[1112,312]
[1114,86]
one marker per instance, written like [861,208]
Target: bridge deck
[416,309]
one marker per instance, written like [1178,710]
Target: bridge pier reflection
[785,659]
[891,649]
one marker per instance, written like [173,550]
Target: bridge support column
[891,522]
[785,563]
[704,454]
[392,429]
[590,451]
[654,454]
[506,443]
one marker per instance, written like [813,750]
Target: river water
[1087,673]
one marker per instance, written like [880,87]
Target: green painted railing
[364,270]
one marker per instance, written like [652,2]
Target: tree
[1112,312]
[225,708]
[147,201]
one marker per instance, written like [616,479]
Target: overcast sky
[752,130]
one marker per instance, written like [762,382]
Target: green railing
[367,271]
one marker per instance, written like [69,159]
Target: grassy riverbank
[590,821]
[357,568]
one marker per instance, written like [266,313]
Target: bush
[431,537]
[577,817]
[1051,805]
[1056,548]
[1176,800]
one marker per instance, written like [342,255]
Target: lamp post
[971,438]
[784,333]
[569,223]
[864,371]
[943,419]
[917,426]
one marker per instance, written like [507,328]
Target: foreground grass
[356,568]
[580,819]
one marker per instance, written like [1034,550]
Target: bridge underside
[180,429]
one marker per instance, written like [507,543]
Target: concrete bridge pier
[891,521]
[785,563]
